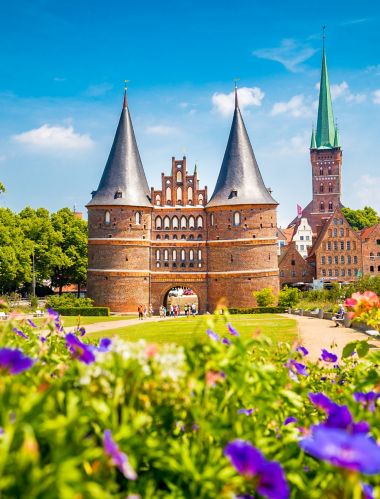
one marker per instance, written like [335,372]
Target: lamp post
[33,275]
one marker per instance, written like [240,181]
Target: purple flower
[232,330]
[321,401]
[297,367]
[31,323]
[212,335]
[248,461]
[55,316]
[247,412]
[303,350]
[81,331]
[104,345]
[368,491]
[340,448]
[328,356]
[226,341]
[20,333]
[368,400]
[289,420]
[119,459]
[14,361]
[79,350]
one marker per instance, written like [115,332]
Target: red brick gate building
[143,242]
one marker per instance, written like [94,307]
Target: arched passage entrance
[181,301]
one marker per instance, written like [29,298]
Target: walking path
[316,334]
[105,326]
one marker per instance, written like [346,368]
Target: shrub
[265,297]
[68,300]
[258,310]
[87,311]
[289,297]
[33,302]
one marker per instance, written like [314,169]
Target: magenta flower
[303,350]
[20,333]
[119,459]
[368,400]
[79,350]
[248,461]
[232,330]
[328,356]
[14,361]
[212,335]
[343,449]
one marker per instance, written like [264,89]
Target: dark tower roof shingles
[240,180]
[124,172]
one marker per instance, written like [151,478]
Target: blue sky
[61,83]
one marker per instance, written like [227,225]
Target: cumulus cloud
[161,130]
[50,137]
[376,96]
[290,54]
[367,190]
[342,91]
[296,145]
[296,107]
[248,96]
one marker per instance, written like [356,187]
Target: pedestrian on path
[140,312]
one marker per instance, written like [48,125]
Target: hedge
[88,311]
[258,310]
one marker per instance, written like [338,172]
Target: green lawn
[184,331]
[73,320]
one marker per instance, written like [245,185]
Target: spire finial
[125,92]
[236,96]
[323,36]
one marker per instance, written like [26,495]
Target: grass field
[73,321]
[184,331]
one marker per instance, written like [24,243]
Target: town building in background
[303,237]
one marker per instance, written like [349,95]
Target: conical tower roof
[123,181]
[240,180]
[325,133]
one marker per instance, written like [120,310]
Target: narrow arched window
[212,219]
[166,255]
[321,188]
[175,236]
[329,170]
[236,218]
[200,199]
[322,206]
[200,222]
[330,206]
[330,187]
[190,195]
[321,170]
[107,217]
[179,176]
[158,255]
[191,223]
[199,237]
[199,254]
[183,223]
[175,222]
[191,237]
[166,223]
[158,200]
[179,194]
[174,255]
[168,193]
[138,218]
[183,236]
[183,255]
[158,223]
[191,255]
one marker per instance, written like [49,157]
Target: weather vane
[235,81]
[125,84]
[323,35]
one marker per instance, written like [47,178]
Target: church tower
[119,226]
[241,221]
[325,155]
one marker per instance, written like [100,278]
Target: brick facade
[370,238]
[293,268]
[136,255]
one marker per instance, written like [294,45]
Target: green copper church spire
[313,144]
[325,135]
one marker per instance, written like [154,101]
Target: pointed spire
[236,96]
[195,169]
[336,136]
[125,103]
[313,144]
[123,181]
[240,180]
[325,125]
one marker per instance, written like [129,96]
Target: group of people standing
[175,310]
[145,312]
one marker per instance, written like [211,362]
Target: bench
[3,316]
[39,313]
[339,320]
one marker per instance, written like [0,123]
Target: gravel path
[316,334]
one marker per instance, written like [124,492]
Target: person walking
[151,311]
[193,309]
[140,312]
[145,310]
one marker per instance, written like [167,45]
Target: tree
[359,219]
[2,187]
[289,297]
[265,297]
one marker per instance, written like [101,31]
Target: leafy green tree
[289,297]
[359,219]
[265,297]
[72,268]
[2,187]
[15,253]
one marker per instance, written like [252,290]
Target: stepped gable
[123,182]
[239,181]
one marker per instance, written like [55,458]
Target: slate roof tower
[241,224]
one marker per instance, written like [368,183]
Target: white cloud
[296,145]
[290,54]
[376,96]
[367,191]
[247,96]
[296,107]
[54,137]
[342,90]
[161,130]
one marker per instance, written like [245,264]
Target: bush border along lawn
[85,311]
